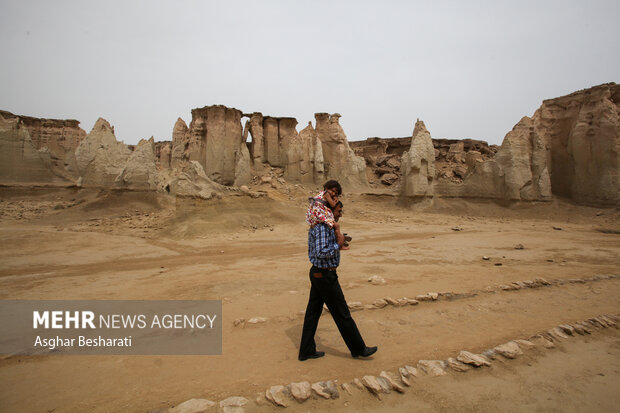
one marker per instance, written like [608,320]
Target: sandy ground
[251,254]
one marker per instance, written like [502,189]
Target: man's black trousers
[326,289]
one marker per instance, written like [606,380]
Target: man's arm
[324,245]
[339,236]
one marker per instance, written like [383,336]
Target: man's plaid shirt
[323,249]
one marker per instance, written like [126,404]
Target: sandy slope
[252,255]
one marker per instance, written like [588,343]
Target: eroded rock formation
[214,139]
[276,143]
[58,137]
[140,171]
[183,148]
[278,134]
[518,172]
[569,147]
[340,162]
[163,153]
[192,181]
[217,132]
[418,164]
[100,157]
[254,126]
[311,162]
[582,134]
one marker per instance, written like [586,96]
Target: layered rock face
[340,162]
[582,134]
[216,132]
[60,137]
[20,161]
[418,164]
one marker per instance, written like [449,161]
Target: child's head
[334,186]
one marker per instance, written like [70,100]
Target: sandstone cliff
[581,132]
[216,131]
[340,162]
[20,161]
[214,139]
[60,137]
[570,147]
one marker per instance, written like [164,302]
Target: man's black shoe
[316,355]
[368,351]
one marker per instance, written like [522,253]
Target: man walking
[324,244]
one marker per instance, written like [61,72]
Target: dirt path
[264,273]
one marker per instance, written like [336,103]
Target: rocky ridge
[570,147]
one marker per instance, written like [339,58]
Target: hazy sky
[467,68]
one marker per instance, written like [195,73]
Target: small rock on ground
[371,383]
[376,280]
[234,401]
[509,350]
[472,359]
[525,344]
[380,303]
[193,406]
[278,395]
[300,391]
[433,368]
[256,320]
[319,389]
[557,333]
[456,365]
[393,382]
